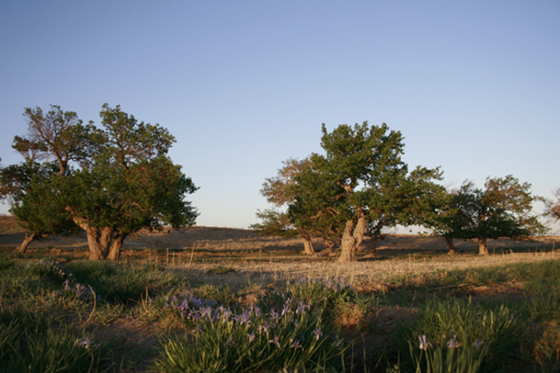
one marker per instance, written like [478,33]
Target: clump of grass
[123,284]
[220,270]
[543,300]
[455,336]
[547,350]
[251,340]
[50,269]
[39,342]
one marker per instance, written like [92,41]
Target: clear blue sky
[474,86]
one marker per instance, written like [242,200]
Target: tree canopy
[111,182]
[359,186]
[502,209]
[278,191]
[552,206]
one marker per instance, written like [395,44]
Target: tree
[110,182]
[56,135]
[130,184]
[33,200]
[360,185]
[274,223]
[443,219]
[552,207]
[409,202]
[501,209]
[277,191]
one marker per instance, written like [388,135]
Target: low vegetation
[407,313]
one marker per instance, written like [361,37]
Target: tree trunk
[116,247]
[307,244]
[104,243]
[482,247]
[98,242]
[449,244]
[373,245]
[347,244]
[352,237]
[29,237]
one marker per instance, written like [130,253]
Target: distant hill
[9,225]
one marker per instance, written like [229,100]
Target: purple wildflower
[275,340]
[318,333]
[424,344]
[478,343]
[264,327]
[453,342]
[296,345]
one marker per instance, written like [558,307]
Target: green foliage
[480,339]
[278,191]
[38,342]
[274,223]
[360,186]
[502,209]
[32,193]
[111,182]
[220,270]
[122,285]
[50,269]
[291,338]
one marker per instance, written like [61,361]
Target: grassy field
[219,300]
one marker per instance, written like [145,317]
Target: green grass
[38,342]
[49,311]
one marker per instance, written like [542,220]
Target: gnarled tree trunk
[29,237]
[307,246]
[116,247]
[353,237]
[482,247]
[104,243]
[449,244]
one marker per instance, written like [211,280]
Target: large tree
[360,185]
[111,181]
[502,209]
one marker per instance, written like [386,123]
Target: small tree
[443,220]
[277,191]
[553,206]
[501,209]
[33,199]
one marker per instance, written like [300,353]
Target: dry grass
[412,268]
[264,260]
